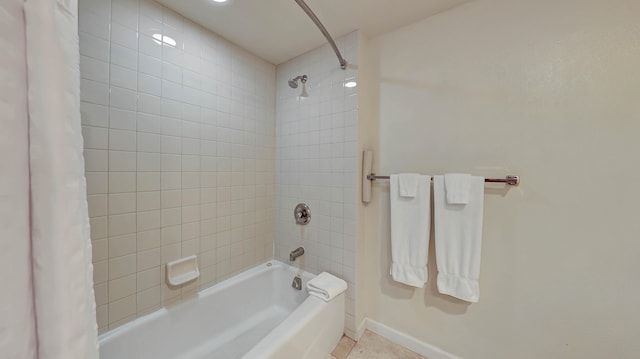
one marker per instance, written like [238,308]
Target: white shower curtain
[47,307]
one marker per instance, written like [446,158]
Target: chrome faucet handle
[302,214]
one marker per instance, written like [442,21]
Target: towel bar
[510,180]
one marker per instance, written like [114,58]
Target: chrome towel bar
[509,180]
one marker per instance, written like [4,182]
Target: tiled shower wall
[316,164]
[179,129]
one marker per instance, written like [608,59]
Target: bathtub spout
[296,253]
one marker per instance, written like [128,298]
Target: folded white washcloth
[408,184]
[326,286]
[410,228]
[457,186]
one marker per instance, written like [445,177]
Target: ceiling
[278,30]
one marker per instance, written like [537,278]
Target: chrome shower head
[293,83]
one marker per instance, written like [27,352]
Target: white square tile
[97,205]
[95,137]
[148,278]
[171,216]
[148,220]
[171,144]
[101,294]
[122,266]
[171,180]
[171,109]
[97,182]
[122,287]
[147,123]
[95,160]
[122,245]
[191,247]
[171,163]
[148,162]
[123,98]
[191,79]
[171,72]
[121,309]
[171,198]
[172,55]
[190,214]
[148,45]
[171,90]
[122,140]
[124,56]
[190,129]
[94,92]
[190,180]
[190,230]
[93,69]
[122,182]
[122,119]
[123,77]
[100,248]
[190,146]
[125,13]
[170,253]
[94,115]
[94,24]
[122,224]
[100,272]
[150,65]
[148,298]
[148,181]
[148,259]
[190,163]
[148,240]
[147,142]
[149,84]
[147,201]
[94,47]
[171,235]
[122,161]
[120,203]
[122,35]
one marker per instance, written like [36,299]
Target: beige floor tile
[343,348]
[373,346]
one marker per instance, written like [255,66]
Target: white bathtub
[256,314]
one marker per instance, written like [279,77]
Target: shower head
[293,83]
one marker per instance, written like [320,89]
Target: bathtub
[255,314]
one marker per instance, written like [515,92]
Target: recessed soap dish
[182,270]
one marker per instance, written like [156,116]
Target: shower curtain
[47,307]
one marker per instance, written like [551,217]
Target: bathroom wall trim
[405,340]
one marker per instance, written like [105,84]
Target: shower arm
[314,18]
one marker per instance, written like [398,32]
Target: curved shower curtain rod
[314,18]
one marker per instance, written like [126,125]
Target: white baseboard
[409,342]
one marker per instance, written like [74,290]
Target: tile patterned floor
[371,346]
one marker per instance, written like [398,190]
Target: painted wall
[547,90]
[180,154]
[316,164]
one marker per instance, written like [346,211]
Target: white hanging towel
[458,235]
[457,187]
[410,228]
